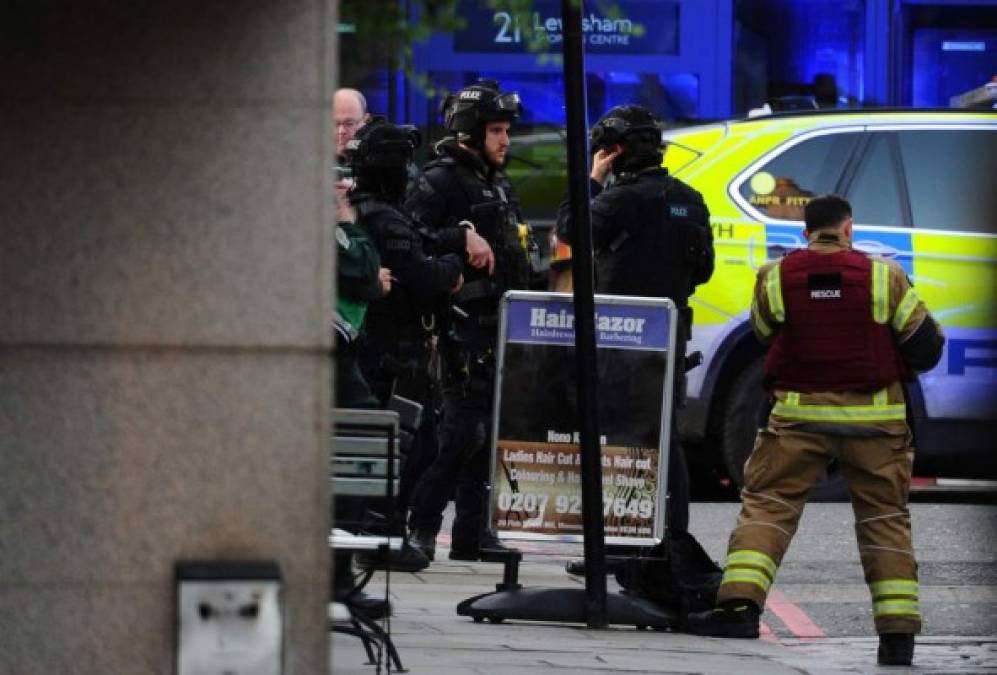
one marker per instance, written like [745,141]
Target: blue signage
[619,326]
[613,27]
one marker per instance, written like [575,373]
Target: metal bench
[365,464]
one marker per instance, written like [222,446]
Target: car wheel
[745,411]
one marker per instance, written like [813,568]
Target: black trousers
[404,370]
[461,469]
[677,518]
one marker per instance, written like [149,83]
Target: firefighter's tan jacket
[866,432]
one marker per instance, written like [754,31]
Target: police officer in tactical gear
[465,200]
[396,345]
[651,237]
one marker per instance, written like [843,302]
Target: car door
[948,175]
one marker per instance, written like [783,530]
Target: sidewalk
[433,640]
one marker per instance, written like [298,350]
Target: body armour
[421,283]
[655,237]
[458,186]
[829,340]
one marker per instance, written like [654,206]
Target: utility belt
[470,373]
[478,290]
[407,325]
[468,351]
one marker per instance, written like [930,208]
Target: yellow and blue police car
[923,187]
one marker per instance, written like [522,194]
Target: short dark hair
[826,211]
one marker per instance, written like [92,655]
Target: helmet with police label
[382,145]
[472,107]
[624,122]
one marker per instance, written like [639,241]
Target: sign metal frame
[664,306]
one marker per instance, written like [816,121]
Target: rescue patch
[824,286]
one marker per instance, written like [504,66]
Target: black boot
[367,605]
[425,541]
[406,559]
[489,543]
[896,649]
[733,618]
[344,590]
[474,550]
[575,568]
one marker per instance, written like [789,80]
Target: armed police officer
[466,201]
[844,330]
[651,237]
[396,344]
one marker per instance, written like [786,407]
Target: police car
[923,187]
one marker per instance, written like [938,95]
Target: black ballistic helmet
[624,122]
[471,108]
[382,145]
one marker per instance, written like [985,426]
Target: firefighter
[844,331]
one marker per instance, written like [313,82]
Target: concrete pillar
[165,301]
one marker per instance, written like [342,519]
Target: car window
[874,194]
[538,170]
[782,186]
[950,177]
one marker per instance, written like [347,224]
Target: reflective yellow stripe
[760,324]
[746,576]
[749,557]
[879,411]
[893,587]
[905,309]
[880,291]
[896,608]
[773,287]
[841,413]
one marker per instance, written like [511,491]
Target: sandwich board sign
[536,456]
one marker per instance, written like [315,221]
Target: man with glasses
[466,202]
[349,113]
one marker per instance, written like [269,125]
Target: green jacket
[357,275]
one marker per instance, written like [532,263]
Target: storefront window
[799,47]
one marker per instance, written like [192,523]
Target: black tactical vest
[400,315]
[492,208]
[658,250]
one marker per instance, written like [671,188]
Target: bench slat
[359,445]
[362,487]
[362,467]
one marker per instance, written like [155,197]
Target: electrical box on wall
[230,618]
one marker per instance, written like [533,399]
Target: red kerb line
[795,619]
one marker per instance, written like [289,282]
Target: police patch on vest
[824,286]
[397,245]
[678,211]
